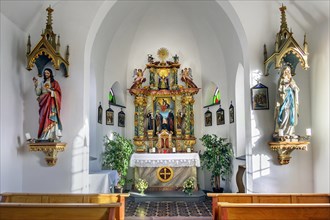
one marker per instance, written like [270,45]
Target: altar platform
[197,196]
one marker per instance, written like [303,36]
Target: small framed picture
[208,118]
[220,114]
[231,113]
[259,97]
[121,119]
[99,114]
[109,120]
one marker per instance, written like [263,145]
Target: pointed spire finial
[305,45]
[67,54]
[58,44]
[28,46]
[49,18]
[283,18]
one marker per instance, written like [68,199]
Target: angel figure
[138,79]
[150,58]
[186,77]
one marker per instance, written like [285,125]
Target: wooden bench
[273,211]
[101,199]
[58,211]
[265,198]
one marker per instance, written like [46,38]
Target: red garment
[49,109]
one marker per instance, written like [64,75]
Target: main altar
[165,171]
[164,123]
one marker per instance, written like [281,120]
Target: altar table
[165,171]
[102,181]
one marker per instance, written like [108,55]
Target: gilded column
[152,78]
[140,105]
[188,102]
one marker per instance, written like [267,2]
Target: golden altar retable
[164,115]
[164,124]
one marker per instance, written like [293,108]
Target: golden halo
[162,53]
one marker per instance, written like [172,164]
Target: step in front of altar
[197,196]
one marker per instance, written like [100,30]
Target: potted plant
[189,185]
[117,155]
[141,185]
[217,158]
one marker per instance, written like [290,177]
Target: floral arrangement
[189,185]
[141,185]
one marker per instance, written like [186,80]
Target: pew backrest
[56,211]
[273,211]
[266,198]
[69,198]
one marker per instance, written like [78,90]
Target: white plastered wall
[32,174]
[11,103]
[184,30]
[318,39]
[71,167]
[265,172]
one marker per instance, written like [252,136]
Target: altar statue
[170,121]
[287,104]
[138,79]
[158,122]
[186,76]
[49,98]
[150,121]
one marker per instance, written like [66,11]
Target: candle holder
[304,138]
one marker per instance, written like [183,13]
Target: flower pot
[118,190]
[218,190]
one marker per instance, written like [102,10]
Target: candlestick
[58,133]
[27,136]
[280,132]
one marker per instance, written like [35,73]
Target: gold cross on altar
[165,174]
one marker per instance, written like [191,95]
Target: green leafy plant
[189,185]
[141,185]
[217,158]
[117,155]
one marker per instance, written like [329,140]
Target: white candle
[309,132]
[58,133]
[27,136]
[188,150]
[280,132]
[154,150]
[173,150]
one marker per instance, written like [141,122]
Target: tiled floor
[169,210]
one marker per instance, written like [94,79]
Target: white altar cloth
[159,160]
[102,181]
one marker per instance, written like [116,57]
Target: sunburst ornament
[162,54]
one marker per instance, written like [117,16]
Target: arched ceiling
[307,13]
[205,20]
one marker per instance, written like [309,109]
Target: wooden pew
[58,211]
[265,198]
[69,198]
[273,211]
